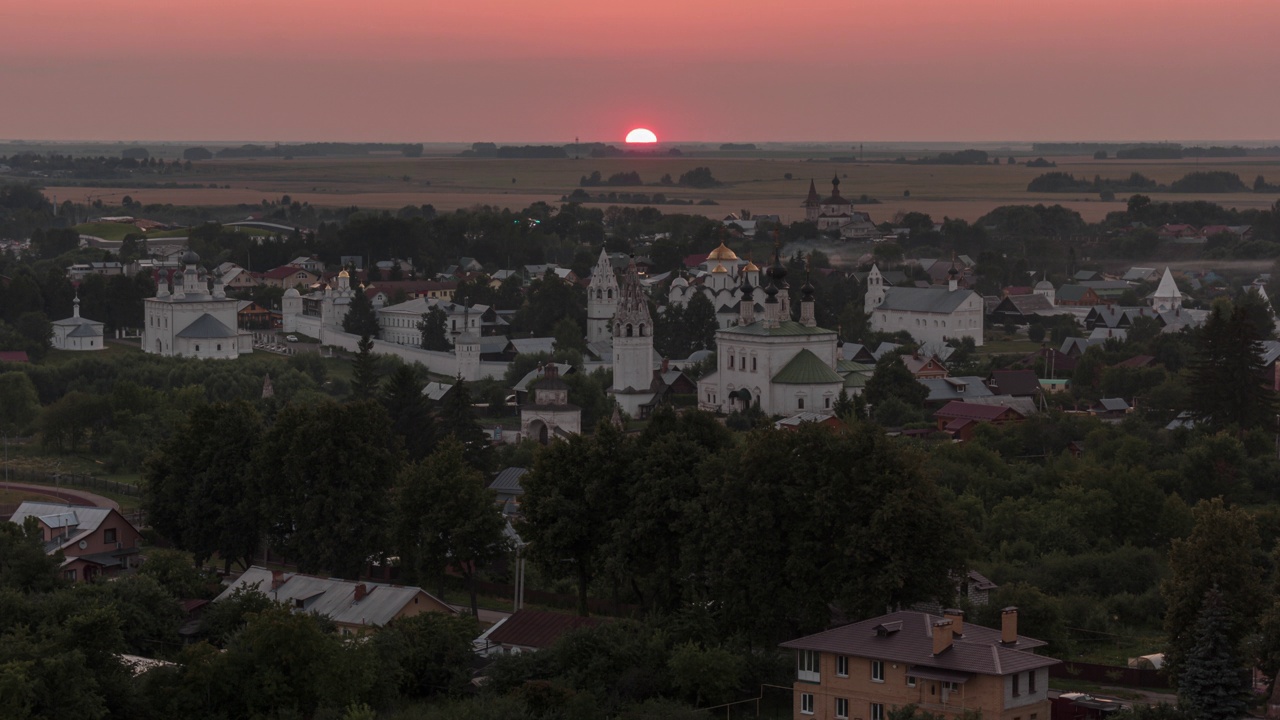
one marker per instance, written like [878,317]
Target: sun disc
[641,135]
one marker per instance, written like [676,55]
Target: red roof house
[960,418]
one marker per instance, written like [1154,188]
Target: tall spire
[814,199]
[75,305]
[835,185]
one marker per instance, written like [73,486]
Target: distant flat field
[757,184]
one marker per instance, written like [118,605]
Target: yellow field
[756,184]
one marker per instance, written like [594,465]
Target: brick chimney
[957,621]
[550,371]
[942,634]
[1009,626]
[362,591]
[277,579]
[666,365]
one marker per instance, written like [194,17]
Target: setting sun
[641,135]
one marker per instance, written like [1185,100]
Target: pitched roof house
[355,607]
[940,664]
[961,418]
[526,630]
[93,540]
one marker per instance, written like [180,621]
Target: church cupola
[806,300]
[747,305]
[835,187]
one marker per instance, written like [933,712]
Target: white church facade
[633,362]
[77,333]
[783,365]
[191,321]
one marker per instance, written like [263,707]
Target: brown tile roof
[1020,383]
[979,651]
[957,409]
[538,628]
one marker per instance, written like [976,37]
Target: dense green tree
[434,330]
[892,379]
[1227,386]
[365,380]
[326,470]
[432,653]
[568,335]
[445,517]
[361,318]
[572,495]
[24,565]
[19,403]
[456,416]
[1211,682]
[1222,552]
[176,573]
[200,489]
[409,413]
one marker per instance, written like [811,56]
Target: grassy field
[758,184]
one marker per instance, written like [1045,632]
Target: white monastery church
[932,315]
[190,321]
[784,365]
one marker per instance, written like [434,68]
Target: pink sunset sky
[719,70]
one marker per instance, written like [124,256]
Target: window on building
[877,711]
[1014,679]
[219,347]
[842,665]
[197,348]
[826,403]
[1031,683]
[807,666]
[911,681]
[877,670]
[753,364]
[800,403]
[806,703]
[842,707]
[109,535]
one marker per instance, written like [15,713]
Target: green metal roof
[807,369]
[785,328]
[848,366]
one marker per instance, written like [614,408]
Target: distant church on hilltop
[836,213]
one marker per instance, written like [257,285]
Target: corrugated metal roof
[973,411]
[508,481]
[978,651]
[334,598]
[807,369]
[932,300]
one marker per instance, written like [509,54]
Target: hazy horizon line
[661,143]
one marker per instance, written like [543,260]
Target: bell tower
[632,345]
[602,300]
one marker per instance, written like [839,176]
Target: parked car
[291,338]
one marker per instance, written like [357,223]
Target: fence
[87,482]
[1110,675]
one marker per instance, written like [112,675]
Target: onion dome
[747,291]
[750,267]
[719,269]
[722,254]
[190,257]
[292,293]
[344,274]
[679,282]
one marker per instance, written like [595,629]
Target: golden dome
[344,274]
[722,254]
[719,269]
[750,267]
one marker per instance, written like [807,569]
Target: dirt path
[74,497]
